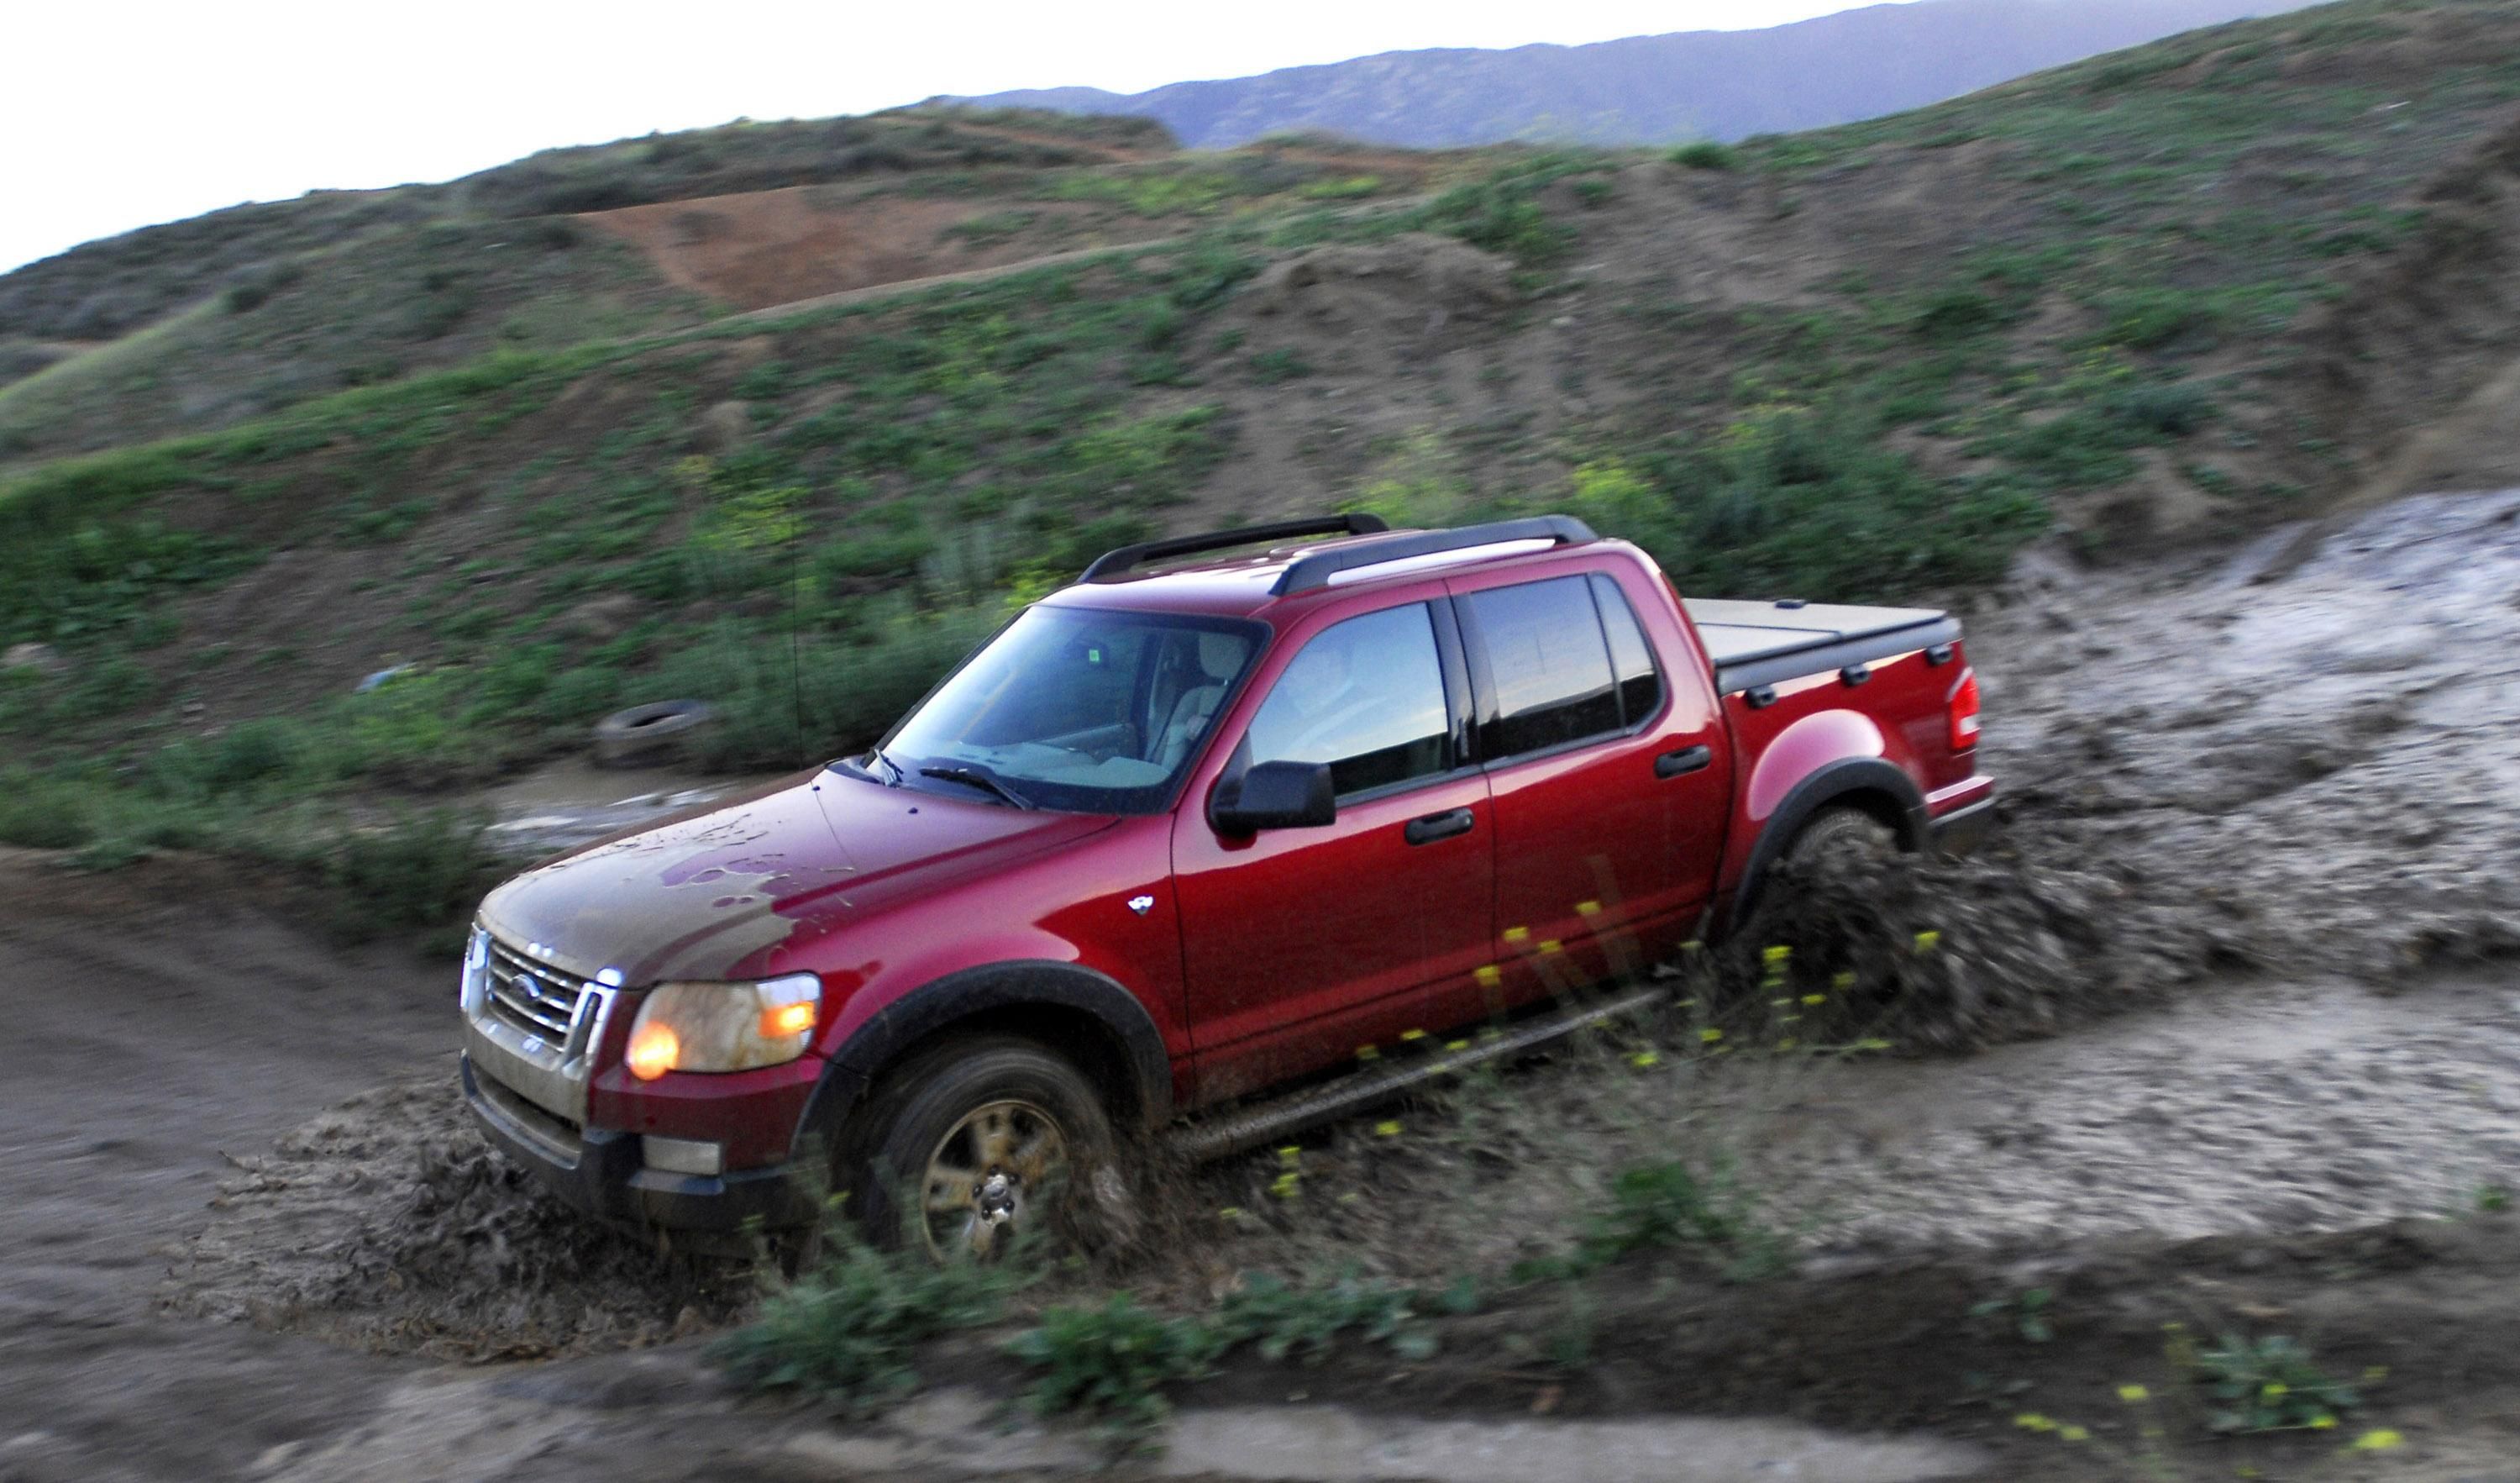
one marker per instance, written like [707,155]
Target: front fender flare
[932,1007]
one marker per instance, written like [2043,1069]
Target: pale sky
[119,115]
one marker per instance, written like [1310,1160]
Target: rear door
[1302,945]
[1608,774]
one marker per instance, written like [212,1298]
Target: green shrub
[42,815]
[1111,1363]
[1672,1206]
[2167,408]
[425,870]
[2270,1384]
[848,1328]
[1706,154]
[847,694]
[1269,367]
[1280,1320]
[2148,319]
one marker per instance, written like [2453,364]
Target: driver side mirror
[1277,795]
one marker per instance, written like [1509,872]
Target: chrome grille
[537,1000]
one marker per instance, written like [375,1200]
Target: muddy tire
[1842,835]
[970,1144]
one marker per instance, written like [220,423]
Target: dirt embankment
[769,248]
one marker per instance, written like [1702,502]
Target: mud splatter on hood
[715,893]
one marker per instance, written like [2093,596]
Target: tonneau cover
[1753,643]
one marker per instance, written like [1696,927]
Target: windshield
[1078,709]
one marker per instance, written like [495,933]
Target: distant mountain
[1649,89]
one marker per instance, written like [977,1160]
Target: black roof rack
[1316,570]
[1113,564]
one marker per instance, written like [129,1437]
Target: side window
[1365,695]
[1548,666]
[1631,656]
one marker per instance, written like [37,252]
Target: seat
[1220,654]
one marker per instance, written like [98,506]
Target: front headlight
[724,1026]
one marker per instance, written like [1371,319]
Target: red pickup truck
[1182,840]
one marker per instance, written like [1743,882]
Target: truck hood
[717,892]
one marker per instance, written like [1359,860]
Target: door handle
[1436,826]
[1689,760]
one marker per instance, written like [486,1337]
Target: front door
[1304,946]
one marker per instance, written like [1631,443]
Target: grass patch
[848,1330]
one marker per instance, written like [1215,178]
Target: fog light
[681,1155]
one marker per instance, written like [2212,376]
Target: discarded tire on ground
[647,733]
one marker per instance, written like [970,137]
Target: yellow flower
[1386,1128]
[1778,954]
[2073,1434]
[1229,1213]
[1693,944]
[2031,1421]
[1457,1045]
[2322,1423]
[1928,940]
[1815,999]
[1710,1035]
[1842,981]
[1778,1003]
[1368,1052]
[2274,1388]
[2131,1394]
[1412,1035]
[2378,1441]
[1645,1061]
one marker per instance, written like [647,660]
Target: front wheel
[973,1142]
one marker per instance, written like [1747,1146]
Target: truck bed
[1753,643]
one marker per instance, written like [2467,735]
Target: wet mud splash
[389,1222]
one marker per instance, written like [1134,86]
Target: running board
[1237,1129]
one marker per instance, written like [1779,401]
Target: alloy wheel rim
[984,1174]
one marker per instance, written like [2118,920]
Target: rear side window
[1546,665]
[1365,695]
[1631,656]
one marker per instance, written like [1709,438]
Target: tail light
[1962,712]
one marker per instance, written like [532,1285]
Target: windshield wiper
[888,765]
[976,779]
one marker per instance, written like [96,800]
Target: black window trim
[1448,658]
[1483,674]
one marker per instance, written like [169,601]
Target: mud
[388,1222]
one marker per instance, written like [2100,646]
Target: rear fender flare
[975,994]
[1867,782]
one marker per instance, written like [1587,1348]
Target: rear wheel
[973,1142]
[1845,835]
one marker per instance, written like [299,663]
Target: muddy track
[2241,952]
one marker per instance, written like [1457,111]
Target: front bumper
[598,1171]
